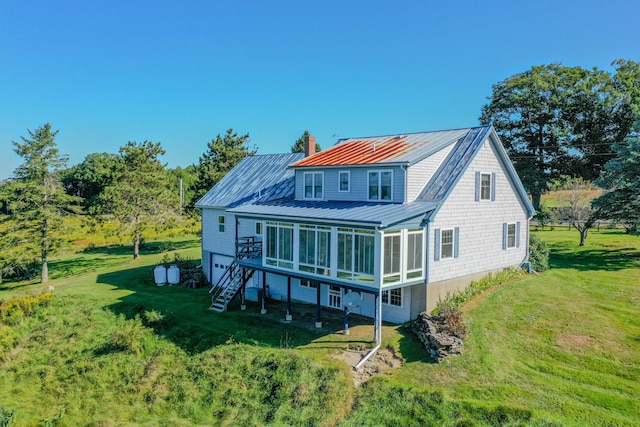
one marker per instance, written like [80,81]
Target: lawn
[111,348]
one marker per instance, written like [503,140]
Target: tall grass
[111,348]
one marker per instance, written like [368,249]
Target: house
[384,226]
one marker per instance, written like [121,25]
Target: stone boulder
[431,331]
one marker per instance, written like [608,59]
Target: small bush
[130,338]
[14,310]
[7,416]
[452,322]
[457,299]
[538,253]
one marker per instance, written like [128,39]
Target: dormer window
[343,181]
[380,184]
[313,183]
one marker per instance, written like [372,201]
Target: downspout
[526,261]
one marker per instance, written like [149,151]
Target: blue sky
[181,72]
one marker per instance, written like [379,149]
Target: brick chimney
[309,145]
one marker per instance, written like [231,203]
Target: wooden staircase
[235,277]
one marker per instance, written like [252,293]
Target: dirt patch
[576,342]
[382,361]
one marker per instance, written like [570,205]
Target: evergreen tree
[139,196]
[621,177]
[36,200]
[298,146]
[223,154]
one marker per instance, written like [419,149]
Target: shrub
[13,310]
[452,322]
[538,253]
[129,338]
[7,416]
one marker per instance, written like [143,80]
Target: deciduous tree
[556,120]
[576,197]
[89,178]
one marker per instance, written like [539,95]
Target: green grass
[565,344]
[111,348]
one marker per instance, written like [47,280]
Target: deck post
[375,317]
[318,312]
[264,293]
[289,317]
[378,336]
[346,320]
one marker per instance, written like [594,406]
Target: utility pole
[181,196]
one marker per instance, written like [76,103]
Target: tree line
[133,188]
[556,122]
[579,126]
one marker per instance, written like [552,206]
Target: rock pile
[437,340]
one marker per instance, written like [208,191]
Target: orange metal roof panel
[404,148]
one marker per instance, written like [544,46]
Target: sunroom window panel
[414,257]
[345,251]
[272,242]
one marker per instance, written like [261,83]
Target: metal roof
[371,214]
[255,179]
[454,165]
[405,148]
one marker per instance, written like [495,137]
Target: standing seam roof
[409,148]
[255,179]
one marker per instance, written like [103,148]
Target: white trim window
[392,297]
[221,223]
[447,242]
[485,186]
[356,255]
[414,254]
[380,185]
[392,258]
[314,249]
[258,228]
[344,181]
[308,284]
[279,244]
[313,185]
[510,235]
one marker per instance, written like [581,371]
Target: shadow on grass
[411,347]
[595,259]
[92,259]
[182,316]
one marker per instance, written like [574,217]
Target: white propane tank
[173,275]
[160,275]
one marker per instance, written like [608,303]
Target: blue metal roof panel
[255,179]
[363,213]
[452,168]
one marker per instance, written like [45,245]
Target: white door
[335,297]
